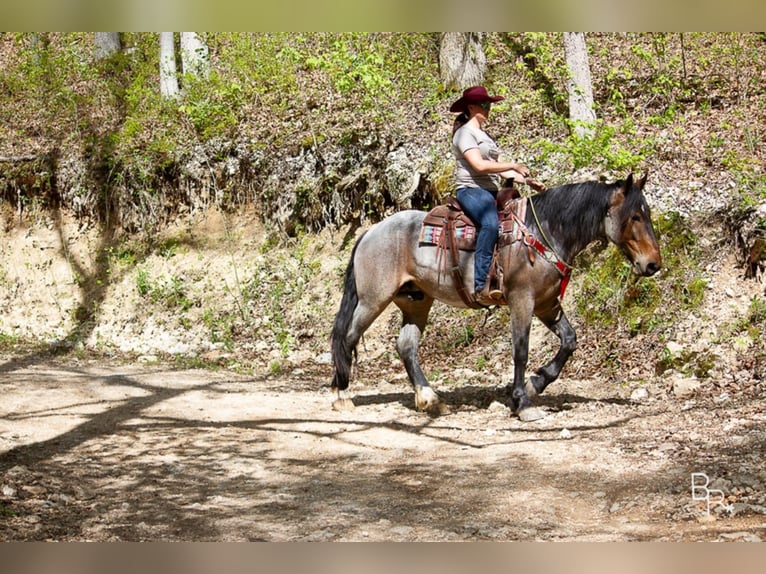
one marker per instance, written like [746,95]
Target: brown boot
[488,295]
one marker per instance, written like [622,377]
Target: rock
[744,536]
[465,374]
[639,394]
[722,398]
[34,490]
[8,491]
[749,480]
[17,470]
[722,484]
[685,386]
[497,406]
[403,532]
[565,434]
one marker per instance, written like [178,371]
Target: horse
[389,263]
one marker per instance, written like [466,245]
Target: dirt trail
[93,451]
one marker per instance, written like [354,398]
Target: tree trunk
[168,75]
[40,43]
[461,59]
[194,55]
[579,86]
[106,44]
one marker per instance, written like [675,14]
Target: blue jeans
[479,205]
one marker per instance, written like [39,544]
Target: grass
[168,292]
[612,296]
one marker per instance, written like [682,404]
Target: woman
[478,177]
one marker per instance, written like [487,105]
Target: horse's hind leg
[414,319]
[345,345]
[558,323]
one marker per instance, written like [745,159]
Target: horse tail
[342,350]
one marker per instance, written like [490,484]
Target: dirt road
[95,451]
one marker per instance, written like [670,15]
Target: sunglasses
[485,105]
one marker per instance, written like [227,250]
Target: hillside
[215,232]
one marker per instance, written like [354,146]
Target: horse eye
[636,217]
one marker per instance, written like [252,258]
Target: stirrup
[488,296]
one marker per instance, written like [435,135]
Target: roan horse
[389,263]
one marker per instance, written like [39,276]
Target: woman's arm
[484,166]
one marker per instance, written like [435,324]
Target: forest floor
[108,451]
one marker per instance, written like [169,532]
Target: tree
[579,87]
[40,42]
[461,59]
[168,74]
[194,55]
[105,44]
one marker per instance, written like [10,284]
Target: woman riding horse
[478,175]
[389,264]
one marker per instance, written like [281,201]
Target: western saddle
[451,231]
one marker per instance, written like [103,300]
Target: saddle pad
[465,235]
[432,230]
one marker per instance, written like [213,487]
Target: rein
[523,234]
[549,243]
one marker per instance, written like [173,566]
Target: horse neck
[571,216]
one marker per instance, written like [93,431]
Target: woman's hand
[513,175]
[517,177]
[522,169]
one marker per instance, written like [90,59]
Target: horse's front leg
[520,400]
[558,323]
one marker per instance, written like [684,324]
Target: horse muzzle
[647,266]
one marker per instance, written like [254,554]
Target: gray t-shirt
[468,137]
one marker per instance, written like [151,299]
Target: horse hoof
[437,410]
[426,400]
[530,414]
[343,405]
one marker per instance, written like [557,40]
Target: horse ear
[628,185]
[642,181]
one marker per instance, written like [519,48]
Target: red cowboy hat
[473,95]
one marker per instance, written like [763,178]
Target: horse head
[629,226]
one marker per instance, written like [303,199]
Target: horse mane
[574,213]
